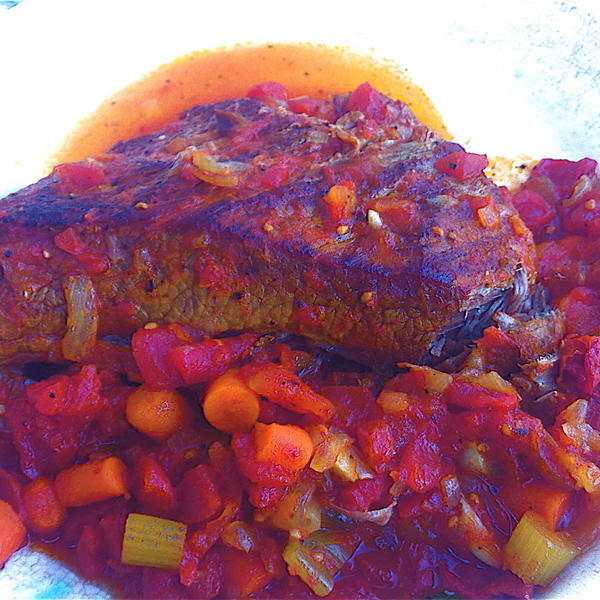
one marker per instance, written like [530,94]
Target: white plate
[510,77]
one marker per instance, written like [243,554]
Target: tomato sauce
[210,76]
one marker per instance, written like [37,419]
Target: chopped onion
[584,436]
[319,558]
[435,381]
[535,553]
[328,444]
[82,317]
[478,539]
[380,516]
[239,535]
[299,512]
[451,490]
[473,459]
[350,466]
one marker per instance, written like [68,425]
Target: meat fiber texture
[219,222]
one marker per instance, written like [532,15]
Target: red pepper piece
[462,165]
[268,90]
[205,361]
[368,101]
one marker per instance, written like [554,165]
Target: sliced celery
[535,553]
[152,542]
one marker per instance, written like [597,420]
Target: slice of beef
[219,221]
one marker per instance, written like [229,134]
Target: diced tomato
[205,361]
[151,353]
[499,351]
[368,101]
[244,573]
[468,393]
[399,214]
[112,526]
[360,495]
[11,490]
[274,176]
[377,443]
[340,201]
[76,395]
[580,364]
[584,218]
[95,263]
[79,176]
[262,496]
[312,107]
[582,311]
[270,90]
[90,554]
[266,474]
[205,577]
[421,462]
[161,584]
[152,488]
[462,165]
[560,266]
[270,554]
[198,496]
[564,174]
[534,210]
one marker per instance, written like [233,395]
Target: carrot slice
[156,413]
[230,405]
[92,482]
[12,531]
[286,389]
[43,511]
[285,445]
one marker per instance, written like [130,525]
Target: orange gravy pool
[212,75]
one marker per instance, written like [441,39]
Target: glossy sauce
[213,75]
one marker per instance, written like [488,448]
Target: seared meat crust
[218,221]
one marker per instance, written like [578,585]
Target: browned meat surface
[225,221]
